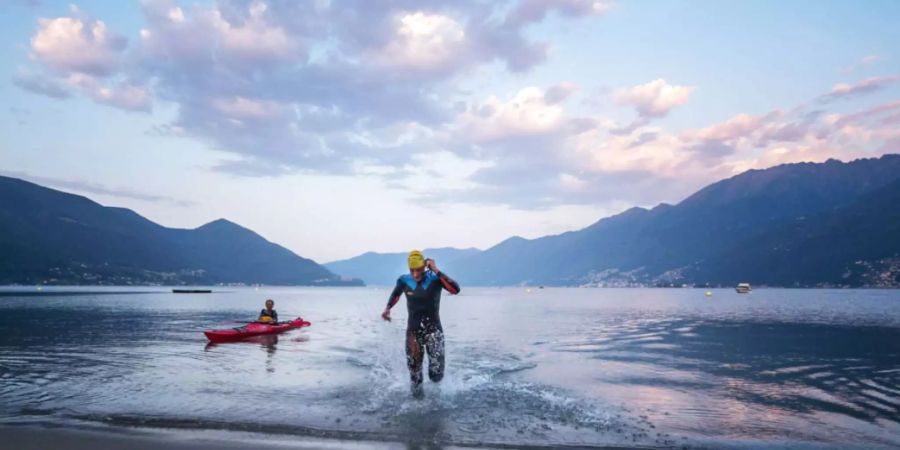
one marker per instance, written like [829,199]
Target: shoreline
[51,436]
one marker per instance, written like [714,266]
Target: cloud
[865,86]
[374,67]
[40,84]
[541,155]
[736,127]
[95,188]
[654,99]
[424,42]
[525,114]
[863,62]
[231,36]
[867,116]
[374,89]
[77,44]
[531,11]
[249,167]
[242,108]
[123,96]
[643,138]
[539,158]
[302,86]
[80,54]
[560,92]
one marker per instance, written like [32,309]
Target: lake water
[584,367]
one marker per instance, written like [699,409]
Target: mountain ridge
[383,268]
[654,246]
[50,236]
[801,224]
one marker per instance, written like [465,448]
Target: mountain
[384,268]
[738,229]
[857,244]
[60,238]
[806,224]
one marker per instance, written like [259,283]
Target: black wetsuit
[423,326]
[266,313]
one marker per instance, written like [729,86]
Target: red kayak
[253,329]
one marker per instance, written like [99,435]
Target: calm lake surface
[584,367]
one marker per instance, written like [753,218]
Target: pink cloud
[872,84]
[654,99]
[863,62]
[77,44]
[125,95]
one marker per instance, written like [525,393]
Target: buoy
[709,293]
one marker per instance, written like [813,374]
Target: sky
[339,127]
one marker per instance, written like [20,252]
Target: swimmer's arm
[451,286]
[448,283]
[392,300]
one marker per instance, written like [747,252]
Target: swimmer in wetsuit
[422,286]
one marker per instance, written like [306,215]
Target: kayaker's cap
[415,260]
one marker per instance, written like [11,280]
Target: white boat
[743,288]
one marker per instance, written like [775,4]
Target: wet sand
[33,437]
[40,437]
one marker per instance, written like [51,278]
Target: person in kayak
[268,314]
[422,286]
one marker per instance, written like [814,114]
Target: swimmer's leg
[414,362]
[434,344]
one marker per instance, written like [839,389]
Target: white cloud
[572,183]
[424,41]
[256,38]
[373,90]
[665,156]
[208,34]
[654,99]
[317,82]
[526,113]
[176,15]
[77,44]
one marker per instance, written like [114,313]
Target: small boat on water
[253,329]
[743,288]
[191,291]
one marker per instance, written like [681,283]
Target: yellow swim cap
[415,260]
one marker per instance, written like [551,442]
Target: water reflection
[800,368]
[567,367]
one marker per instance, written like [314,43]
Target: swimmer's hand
[386,315]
